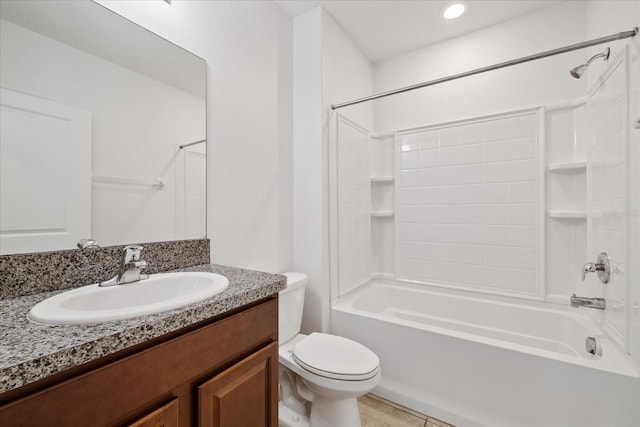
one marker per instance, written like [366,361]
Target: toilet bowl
[321,375]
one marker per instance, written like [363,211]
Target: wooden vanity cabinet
[223,373]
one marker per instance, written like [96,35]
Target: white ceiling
[385,28]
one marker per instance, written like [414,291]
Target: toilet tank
[290,305]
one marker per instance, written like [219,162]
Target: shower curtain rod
[192,143]
[613,37]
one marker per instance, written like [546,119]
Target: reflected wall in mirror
[94,109]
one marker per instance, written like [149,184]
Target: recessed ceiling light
[454,10]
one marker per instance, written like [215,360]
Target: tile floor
[378,412]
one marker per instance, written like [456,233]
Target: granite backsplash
[32,273]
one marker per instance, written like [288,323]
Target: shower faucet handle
[602,267]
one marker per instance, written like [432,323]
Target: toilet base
[324,413]
[289,418]
[334,412]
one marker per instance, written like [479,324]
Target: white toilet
[321,375]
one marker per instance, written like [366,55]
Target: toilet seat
[335,357]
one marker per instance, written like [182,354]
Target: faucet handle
[132,253]
[589,267]
[602,266]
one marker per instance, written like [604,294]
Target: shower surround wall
[468,205]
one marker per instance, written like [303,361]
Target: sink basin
[160,292]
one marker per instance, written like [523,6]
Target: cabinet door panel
[242,395]
[166,416]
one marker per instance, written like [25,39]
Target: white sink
[160,292]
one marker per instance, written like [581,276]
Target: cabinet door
[165,416]
[244,394]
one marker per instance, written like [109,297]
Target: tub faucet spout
[597,303]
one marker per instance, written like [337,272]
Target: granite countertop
[31,352]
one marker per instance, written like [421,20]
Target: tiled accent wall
[354,205]
[27,274]
[467,204]
[607,113]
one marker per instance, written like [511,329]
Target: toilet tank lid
[295,280]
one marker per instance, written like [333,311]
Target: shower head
[577,72]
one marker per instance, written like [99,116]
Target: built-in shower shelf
[381,179]
[382,214]
[566,214]
[567,166]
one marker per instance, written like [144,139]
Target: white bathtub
[472,360]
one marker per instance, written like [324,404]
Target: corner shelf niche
[566,214]
[382,196]
[566,146]
[563,167]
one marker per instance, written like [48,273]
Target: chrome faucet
[597,303]
[132,267]
[602,267]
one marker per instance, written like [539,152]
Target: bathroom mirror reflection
[95,110]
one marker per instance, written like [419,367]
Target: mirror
[95,110]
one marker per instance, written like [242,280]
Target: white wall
[309,170]
[520,86]
[247,46]
[327,68]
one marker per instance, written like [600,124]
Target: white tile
[447,253]
[449,156]
[471,194]
[522,236]
[471,153]
[523,170]
[448,175]
[409,146]
[521,149]
[496,215]
[522,126]
[410,178]
[428,158]
[449,136]
[496,193]
[445,214]
[428,139]
[471,174]
[496,151]
[522,214]
[471,133]
[444,272]
[522,258]
[495,256]
[443,233]
[448,195]
[409,160]
[418,196]
[495,277]
[495,235]
[468,254]
[470,274]
[495,172]
[429,176]
[494,130]
[522,192]
[471,234]
[471,214]
[413,213]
